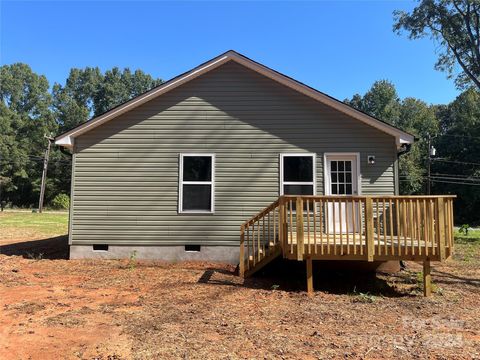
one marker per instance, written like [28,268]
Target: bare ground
[55,308]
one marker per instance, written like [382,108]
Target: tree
[87,93]
[119,86]
[411,115]
[455,25]
[25,117]
[29,111]
[381,102]
[74,102]
[420,119]
[458,147]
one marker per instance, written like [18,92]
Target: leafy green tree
[381,102]
[26,117]
[420,119]
[87,92]
[119,86]
[455,26]
[74,102]
[458,146]
[411,115]
[29,111]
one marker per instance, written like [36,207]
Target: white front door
[341,178]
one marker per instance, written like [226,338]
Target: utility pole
[44,174]
[428,165]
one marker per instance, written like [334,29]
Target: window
[297,174]
[196,188]
[341,177]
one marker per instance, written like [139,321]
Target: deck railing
[379,227]
[261,235]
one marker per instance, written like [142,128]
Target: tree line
[30,110]
[453,130]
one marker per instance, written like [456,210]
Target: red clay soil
[72,309]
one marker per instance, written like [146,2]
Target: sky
[339,47]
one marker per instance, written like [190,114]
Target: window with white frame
[196,185]
[297,174]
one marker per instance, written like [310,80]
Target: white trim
[314,175]
[181,183]
[401,137]
[326,170]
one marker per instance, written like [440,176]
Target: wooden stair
[266,257]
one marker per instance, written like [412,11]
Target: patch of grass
[467,247]
[472,237]
[23,224]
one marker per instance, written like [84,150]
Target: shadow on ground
[50,248]
[449,278]
[291,276]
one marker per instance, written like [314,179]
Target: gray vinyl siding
[126,170]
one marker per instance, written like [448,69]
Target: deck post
[300,246]
[281,227]
[369,230]
[309,276]
[427,279]
[242,251]
[440,230]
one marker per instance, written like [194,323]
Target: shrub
[464,229]
[61,201]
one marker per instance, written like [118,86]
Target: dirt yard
[52,308]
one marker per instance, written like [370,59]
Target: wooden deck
[353,247]
[368,228]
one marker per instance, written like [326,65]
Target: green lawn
[472,237]
[20,225]
[467,247]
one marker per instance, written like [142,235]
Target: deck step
[271,254]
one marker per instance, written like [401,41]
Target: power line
[457,162]
[459,136]
[38,160]
[455,178]
[457,175]
[444,177]
[449,182]
[456,182]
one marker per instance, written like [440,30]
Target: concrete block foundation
[224,254]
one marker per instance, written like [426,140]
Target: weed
[363,297]
[435,289]
[32,256]
[132,263]
[464,229]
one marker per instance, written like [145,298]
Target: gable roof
[67,139]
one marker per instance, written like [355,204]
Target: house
[175,173]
